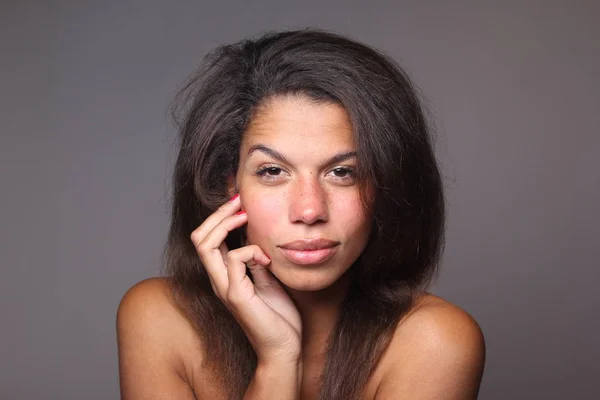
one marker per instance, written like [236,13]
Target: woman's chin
[304,279]
[307,286]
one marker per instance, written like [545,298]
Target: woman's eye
[343,174]
[269,172]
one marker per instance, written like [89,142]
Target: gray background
[87,149]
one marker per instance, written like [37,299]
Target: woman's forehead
[298,121]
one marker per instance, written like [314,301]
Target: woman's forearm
[276,381]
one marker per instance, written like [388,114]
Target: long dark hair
[395,156]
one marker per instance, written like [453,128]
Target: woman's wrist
[279,379]
[283,367]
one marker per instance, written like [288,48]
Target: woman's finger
[211,248]
[261,275]
[236,270]
[214,266]
[224,250]
[224,211]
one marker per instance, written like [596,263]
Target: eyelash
[262,172]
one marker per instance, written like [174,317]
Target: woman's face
[297,183]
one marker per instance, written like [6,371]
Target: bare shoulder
[437,352]
[145,297]
[154,337]
[434,321]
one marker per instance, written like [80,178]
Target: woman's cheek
[263,215]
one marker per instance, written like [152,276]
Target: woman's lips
[309,252]
[308,257]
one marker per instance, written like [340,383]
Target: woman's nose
[308,202]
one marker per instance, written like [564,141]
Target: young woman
[307,222]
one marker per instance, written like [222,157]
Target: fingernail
[240,212]
[234,197]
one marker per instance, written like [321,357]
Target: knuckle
[255,248]
[234,255]
[197,237]
[201,248]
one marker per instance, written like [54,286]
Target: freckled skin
[304,197]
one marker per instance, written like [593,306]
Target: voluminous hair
[395,159]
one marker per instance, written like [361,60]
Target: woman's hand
[263,309]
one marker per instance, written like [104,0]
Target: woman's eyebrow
[341,157]
[281,158]
[268,151]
